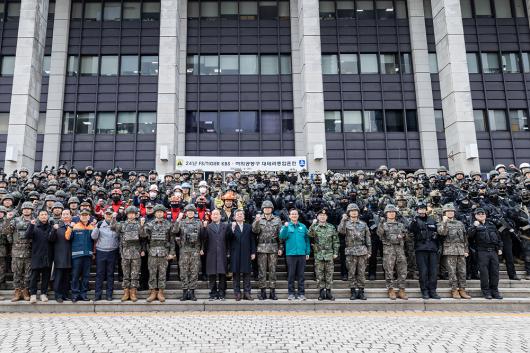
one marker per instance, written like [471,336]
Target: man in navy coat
[242,253]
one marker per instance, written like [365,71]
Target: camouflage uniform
[268,244]
[189,251]
[392,236]
[325,248]
[454,247]
[130,249]
[3,250]
[15,230]
[408,214]
[161,244]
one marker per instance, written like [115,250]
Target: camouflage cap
[390,208]
[131,209]
[27,205]
[159,207]
[448,207]
[267,204]
[352,207]
[190,207]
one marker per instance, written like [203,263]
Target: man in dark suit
[242,253]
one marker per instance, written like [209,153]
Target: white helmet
[524,165]
[203,183]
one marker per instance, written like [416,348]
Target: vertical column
[460,137]
[422,84]
[24,109]
[170,74]
[58,62]
[308,97]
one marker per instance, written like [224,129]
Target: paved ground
[266,331]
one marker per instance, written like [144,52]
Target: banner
[226,164]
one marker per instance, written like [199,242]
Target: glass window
[193,9]
[412,120]
[349,64]
[149,65]
[373,121]
[268,10]
[209,9]
[283,10]
[502,8]
[401,9]
[229,9]
[519,120]
[106,123]
[4,123]
[2,12]
[271,122]
[519,8]
[8,66]
[365,9]
[46,62]
[126,123]
[269,65]
[353,121]
[427,8]
[109,65]
[73,64]
[332,121]
[439,120]
[146,122]
[526,62]
[287,121]
[497,120]
[41,123]
[85,123]
[482,8]
[151,11]
[131,10]
[388,64]
[330,64]
[68,123]
[490,63]
[406,63]
[13,10]
[285,64]
[480,120]
[77,10]
[327,9]
[228,122]
[192,64]
[369,64]
[510,62]
[112,11]
[129,65]
[249,121]
[209,64]
[93,11]
[191,121]
[394,121]
[229,65]
[385,9]
[207,122]
[89,65]
[248,10]
[465,8]
[433,63]
[248,65]
[345,9]
[472,63]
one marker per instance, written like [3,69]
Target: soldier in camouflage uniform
[188,239]
[131,252]
[392,234]
[161,248]
[455,249]
[358,249]
[15,230]
[325,249]
[405,215]
[3,247]
[269,248]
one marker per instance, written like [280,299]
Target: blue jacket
[80,237]
[296,239]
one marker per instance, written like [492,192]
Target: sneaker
[33,299]
[43,298]
[290,297]
[301,297]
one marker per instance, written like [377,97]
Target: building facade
[350,84]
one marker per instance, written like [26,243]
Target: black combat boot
[329,296]
[263,294]
[360,294]
[191,295]
[273,294]
[322,295]
[353,294]
[184,295]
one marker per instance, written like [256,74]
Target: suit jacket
[242,245]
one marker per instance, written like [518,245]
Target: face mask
[116,198]
[202,190]
[175,205]
[200,205]
[152,194]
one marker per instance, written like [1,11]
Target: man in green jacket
[297,250]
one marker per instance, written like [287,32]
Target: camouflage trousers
[267,261]
[456,268]
[21,267]
[411,257]
[356,270]
[131,272]
[324,273]
[394,260]
[157,266]
[190,264]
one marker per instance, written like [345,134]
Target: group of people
[54,223]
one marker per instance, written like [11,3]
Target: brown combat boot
[17,295]
[126,294]
[391,294]
[455,294]
[134,295]
[25,294]
[463,294]
[402,295]
[152,295]
[161,296]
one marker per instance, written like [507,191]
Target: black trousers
[507,253]
[377,250]
[342,257]
[42,274]
[217,288]
[144,273]
[488,264]
[295,272]
[61,283]
[427,262]
[105,264]
[236,282]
